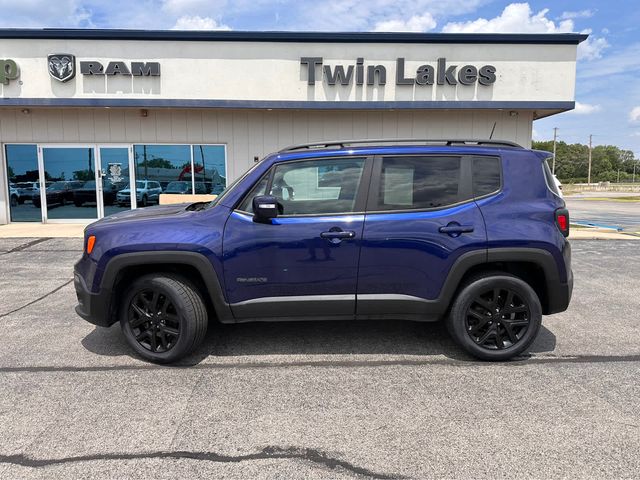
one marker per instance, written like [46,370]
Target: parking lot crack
[309,455]
[24,246]
[37,299]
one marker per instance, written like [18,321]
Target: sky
[608,80]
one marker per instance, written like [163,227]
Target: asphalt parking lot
[317,400]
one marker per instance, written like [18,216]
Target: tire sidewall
[456,320]
[187,327]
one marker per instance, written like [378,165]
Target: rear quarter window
[549,178]
[487,176]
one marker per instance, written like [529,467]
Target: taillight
[562,221]
[91,241]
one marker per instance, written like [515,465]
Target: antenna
[493,130]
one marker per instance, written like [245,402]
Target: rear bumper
[560,295]
[93,307]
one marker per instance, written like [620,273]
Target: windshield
[178,187]
[139,184]
[230,187]
[57,186]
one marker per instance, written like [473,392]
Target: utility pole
[590,147]
[555,135]
[634,170]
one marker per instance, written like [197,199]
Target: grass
[635,199]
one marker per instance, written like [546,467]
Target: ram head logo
[62,66]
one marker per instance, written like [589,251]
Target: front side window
[418,183]
[323,186]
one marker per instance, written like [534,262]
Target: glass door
[70,173]
[114,183]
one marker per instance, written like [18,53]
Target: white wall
[272,71]
[248,133]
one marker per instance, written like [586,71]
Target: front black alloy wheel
[154,321]
[163,317]
[495,316]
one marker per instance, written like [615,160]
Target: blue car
[470,232]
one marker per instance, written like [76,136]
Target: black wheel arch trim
[193,259]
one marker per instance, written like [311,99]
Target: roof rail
[372,141]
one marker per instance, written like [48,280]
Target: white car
[14,196]
[147,191]
[558,185]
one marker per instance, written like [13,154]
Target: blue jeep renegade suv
[472,232]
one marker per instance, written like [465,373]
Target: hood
[145,213]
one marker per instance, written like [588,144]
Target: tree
[572,161]
[156,163]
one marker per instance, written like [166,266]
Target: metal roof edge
[305,37]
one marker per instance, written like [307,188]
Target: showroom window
[23,176]
[179,169]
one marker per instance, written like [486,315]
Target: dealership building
[96,121]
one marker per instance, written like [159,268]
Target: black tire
[21,201]
[36,203]
[13,201]
[144,201]
[188,317]
[478,318]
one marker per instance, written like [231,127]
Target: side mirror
[265,207]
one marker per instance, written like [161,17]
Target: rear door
[421,217]
[303,263]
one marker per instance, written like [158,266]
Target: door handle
[339,235]
[454,229]
[336,235]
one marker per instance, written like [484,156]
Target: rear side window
[413,183]
[486,175]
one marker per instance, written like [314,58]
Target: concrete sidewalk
[40,230]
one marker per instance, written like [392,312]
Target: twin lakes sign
[62,67]
[440,74]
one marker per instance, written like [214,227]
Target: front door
[80,182]
[421,217]
[303,263]
[68,182]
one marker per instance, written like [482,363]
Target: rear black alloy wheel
[154,321]
[163,317]
[495,316]
[497,319]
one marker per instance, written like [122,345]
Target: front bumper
[93,307]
